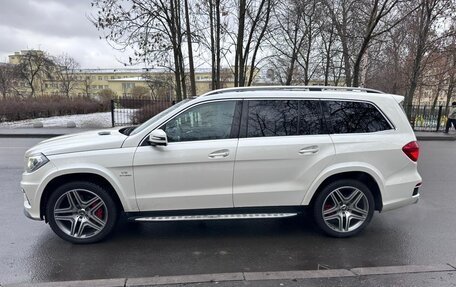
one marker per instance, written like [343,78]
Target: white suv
[259,152]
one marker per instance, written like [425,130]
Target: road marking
[248,276]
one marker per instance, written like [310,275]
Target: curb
[247,276]
[436,138]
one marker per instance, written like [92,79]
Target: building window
[100,78]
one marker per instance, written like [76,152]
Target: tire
[343,208]
[81,212]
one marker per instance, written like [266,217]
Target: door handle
[219,153]
[309,150]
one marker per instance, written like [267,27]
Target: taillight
[412,150]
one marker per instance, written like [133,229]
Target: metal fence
[428,118]
[128,111]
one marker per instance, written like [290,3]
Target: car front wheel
[344,208]
[81,212]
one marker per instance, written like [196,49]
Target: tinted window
[204,122]
[355,117]
[267,118]
[310,121]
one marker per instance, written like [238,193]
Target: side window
[204,122]
[355,117]
[267,118]
[310,120]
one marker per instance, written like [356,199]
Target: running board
[216,217]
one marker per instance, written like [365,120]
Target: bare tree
[65,74]
[212,36]
[331,60]
[287,39]
[160,85]
[34,67]
[358,23]
[86,85]
[140,92]
[423,38]
[188,31]
[450,53]
[252,23]
[8,79]
[153,28]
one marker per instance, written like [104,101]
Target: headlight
[34,162]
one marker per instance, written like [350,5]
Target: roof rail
[292,88]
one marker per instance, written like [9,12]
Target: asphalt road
[418,234]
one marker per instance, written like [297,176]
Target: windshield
[158,116]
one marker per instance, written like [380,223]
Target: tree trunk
[217,44]
[422,38]
[190,50]
[258,43]
[213,56]
[239,60]
[174,41]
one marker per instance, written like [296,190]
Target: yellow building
[122,81]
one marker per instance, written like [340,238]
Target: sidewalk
[406,275]
[435,136]
[53,132]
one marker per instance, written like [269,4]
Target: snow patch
[95,120]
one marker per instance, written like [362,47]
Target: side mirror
[158,137]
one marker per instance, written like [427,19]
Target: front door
[195,169]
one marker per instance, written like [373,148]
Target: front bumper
[29,212]
[32,186]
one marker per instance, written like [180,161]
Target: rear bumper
[401,189]
[401,202]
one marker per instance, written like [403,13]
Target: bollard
[112,113]
[439,116]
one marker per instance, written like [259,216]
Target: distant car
[238,153]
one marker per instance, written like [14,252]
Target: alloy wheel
[345,209]
[80,213]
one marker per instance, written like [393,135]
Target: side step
[216,217]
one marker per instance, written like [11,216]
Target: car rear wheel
[344,208]
[81,212]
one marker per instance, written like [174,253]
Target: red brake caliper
[99,211]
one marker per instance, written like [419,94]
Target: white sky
[55,26]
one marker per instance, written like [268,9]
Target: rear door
[282,148]
[363,135]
